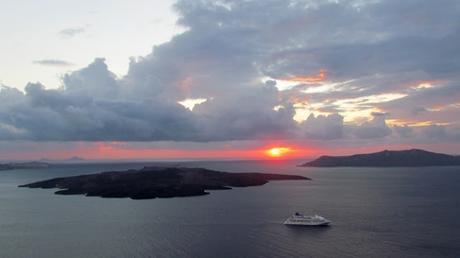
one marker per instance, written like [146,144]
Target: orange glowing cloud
[321,76]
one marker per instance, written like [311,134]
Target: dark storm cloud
[228,47]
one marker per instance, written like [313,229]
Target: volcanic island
[156,182]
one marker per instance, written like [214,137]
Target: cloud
[345,62]
[404,131]
[375,128]
[53,62]
[94,106]
[439,132]
[72,32]
[323,127]
[72,115]
[95,80]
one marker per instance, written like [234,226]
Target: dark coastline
[386,158]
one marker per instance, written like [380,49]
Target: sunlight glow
[371,99]
[422,85]
[303,110]
[191,103]
[278,107]
[277,152]
[398,122]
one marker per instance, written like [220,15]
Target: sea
[375,212]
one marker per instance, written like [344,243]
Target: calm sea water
[397,212]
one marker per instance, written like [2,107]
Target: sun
[277,152]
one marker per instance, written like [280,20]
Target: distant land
[386,158]
[23,165]
[74,159]
[156,182]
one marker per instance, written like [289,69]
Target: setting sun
[278,152]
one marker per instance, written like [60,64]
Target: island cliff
[156,182]
[404,158]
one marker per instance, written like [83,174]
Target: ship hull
[323,224]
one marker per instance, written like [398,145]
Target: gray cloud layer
[367,48]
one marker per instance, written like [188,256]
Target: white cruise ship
[299,219]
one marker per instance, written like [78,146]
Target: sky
[227,79]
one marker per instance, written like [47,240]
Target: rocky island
[156,182]
[386,158]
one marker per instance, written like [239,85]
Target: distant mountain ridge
[387,158]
